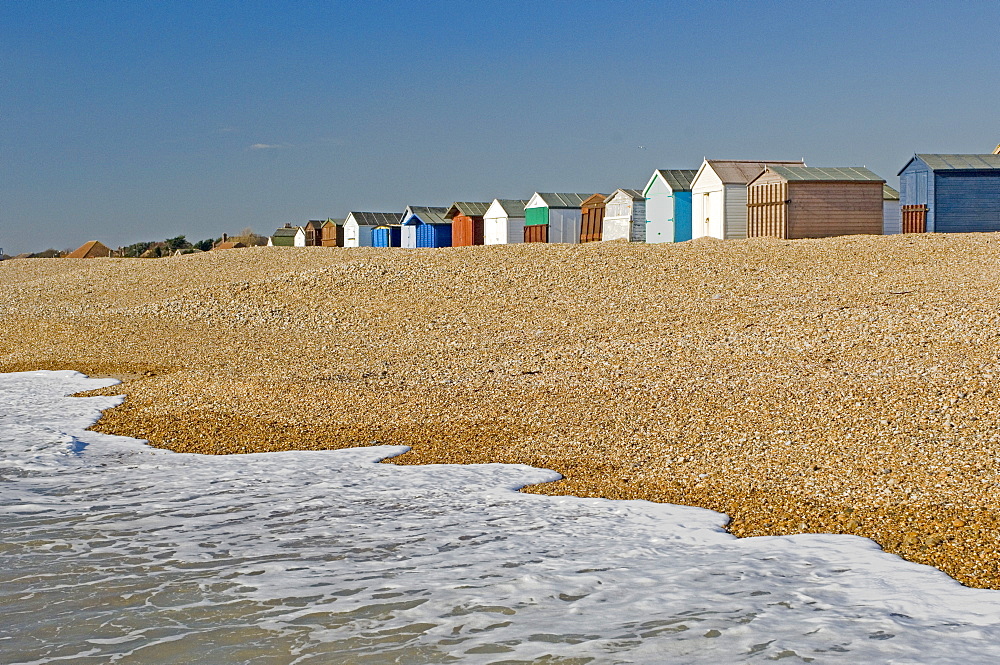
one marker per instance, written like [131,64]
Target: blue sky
[129,121]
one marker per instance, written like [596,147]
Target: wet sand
[843,385]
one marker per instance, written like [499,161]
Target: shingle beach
[844,385]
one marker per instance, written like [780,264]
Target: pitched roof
[335,222]
[820,174]
[468,208]
[740,172]
[889,194]
[426,214]
[513,207]
[315,223]
[552,200]
[229,244]
[678,179]
[286,232]
[634,193]
[961,162]
[375,218]
[90,250]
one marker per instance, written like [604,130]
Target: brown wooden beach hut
[810,202]
[467,223]
[592,218]
[332,233]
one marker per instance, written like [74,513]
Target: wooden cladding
[767,210]
[536,233]
[591,223]
[915,219]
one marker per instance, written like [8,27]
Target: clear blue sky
[128,121]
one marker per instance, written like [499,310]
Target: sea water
[115,552]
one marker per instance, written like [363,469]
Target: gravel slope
[841,385]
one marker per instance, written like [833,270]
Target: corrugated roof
[740,172]
[822,173]
[678,179]
[426,214]
[468,208]
[553,200]
[90,250]
[513,207]
[376,218]
[889,194]
[634,193]
[961,162]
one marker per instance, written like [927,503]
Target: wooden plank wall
[536,233]
[591,223]
[824,209]
[767,212]
[915,218]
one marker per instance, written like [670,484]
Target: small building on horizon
[288,236]
[93,249]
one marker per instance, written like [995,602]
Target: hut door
[425,236]
[767,208]
[591,224]
[915,219]
[536,233]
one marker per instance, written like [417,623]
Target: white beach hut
[668,205]
[552,217]
[503,223]
[358,226]
[625,216]
[719,196]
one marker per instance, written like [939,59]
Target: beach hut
[386,236]
[550,217]
[314,232]
[94,249]
[668,205]
[950,193]
[892,218]
[467,225]
[719,196]
[592,218]
[625,216]
[792,202]
[358,226]
[332,233]
[503,223]
[288,236]
[425,226]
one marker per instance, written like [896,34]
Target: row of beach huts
[725,199]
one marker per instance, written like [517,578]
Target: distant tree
[136,250]
[205,245]
[180,242]
[249,238]
[49,253]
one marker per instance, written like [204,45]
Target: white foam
[113,550]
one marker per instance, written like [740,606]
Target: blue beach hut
[386,236]
[425,226]
[950,193]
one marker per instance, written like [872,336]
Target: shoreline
[845,385]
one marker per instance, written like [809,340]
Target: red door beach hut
[467,223]
[551,217]
[792,202]
[503,223]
